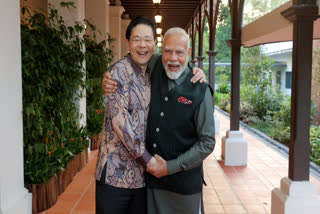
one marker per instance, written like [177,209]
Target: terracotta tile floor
[229,190]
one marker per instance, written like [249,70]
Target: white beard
[175,74]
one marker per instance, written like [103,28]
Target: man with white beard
[180,130]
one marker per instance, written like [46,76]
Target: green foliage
[283,114]
[261,101]
[280,133]
[223,84]
[316,83]
[262,126]
[247,113]
[222,71]
[223,33]
[254,9]
[315,144]
[256,68]
[206,40]
[256,83]
[98,57]
[52,76]
[206,71]
[222,101]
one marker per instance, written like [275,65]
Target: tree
[223,33]
[256,83]
[254,9]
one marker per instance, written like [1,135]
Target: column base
[234,149]
[216,124]
[295,197]
[22,204]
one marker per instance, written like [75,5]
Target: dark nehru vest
[171,129]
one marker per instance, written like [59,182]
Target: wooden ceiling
[175,13]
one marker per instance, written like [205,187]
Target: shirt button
[166,98]
[154,145]
[157,129]
[161,114]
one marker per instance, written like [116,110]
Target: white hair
[177,30]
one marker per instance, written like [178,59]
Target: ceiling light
[159,30]
[158,18]
[156,1]
[159,38]
[159,44]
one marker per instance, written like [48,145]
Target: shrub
[261,101]
[52,76]
[222,101]
[247,113]
[98,57]
[223,85]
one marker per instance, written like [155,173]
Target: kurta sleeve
[204,121]
[123,124]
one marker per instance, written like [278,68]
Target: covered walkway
[229,190]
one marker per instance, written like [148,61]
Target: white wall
[97,11]
[14,198]
[115,30]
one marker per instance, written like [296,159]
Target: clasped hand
[157,166]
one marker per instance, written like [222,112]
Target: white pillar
[35,5]
[234,149]
[70,16]
[295,197]
[115,30]
[97,12]
[14,198]
[124,43]
[216,123]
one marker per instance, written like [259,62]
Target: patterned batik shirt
[122,148]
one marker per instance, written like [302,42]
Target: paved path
[229,190]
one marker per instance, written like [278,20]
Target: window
[288,79]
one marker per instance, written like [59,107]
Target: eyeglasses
[147,40]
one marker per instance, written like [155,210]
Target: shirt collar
[137,69]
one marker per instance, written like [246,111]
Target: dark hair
[138,21]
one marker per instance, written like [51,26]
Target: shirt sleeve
[193,157]
[124,126]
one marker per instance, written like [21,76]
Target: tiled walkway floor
[229,190]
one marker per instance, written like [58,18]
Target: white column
[115,30]
[70,16]
[124,42]
[35,5]
[14,198]
[234,149]
[97,12]
[216,123]
[295,197]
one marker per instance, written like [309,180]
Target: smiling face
[175,54]
[141,45]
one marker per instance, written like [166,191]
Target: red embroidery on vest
[184,100]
